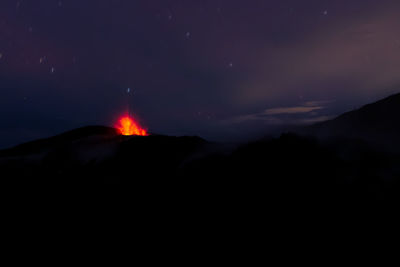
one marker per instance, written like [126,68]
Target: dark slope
[289,171]
[63,139]
[377,123]
[97,155]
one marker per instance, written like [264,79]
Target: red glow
[128,126]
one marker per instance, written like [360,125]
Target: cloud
[306,113]
[315,119]
[290,110]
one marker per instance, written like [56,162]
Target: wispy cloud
[305,113]
[315,119]
[290,110]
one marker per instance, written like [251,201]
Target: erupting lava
[128,126]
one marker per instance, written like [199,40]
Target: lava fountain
[129,126]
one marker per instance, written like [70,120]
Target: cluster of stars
[169,15]
[42,59]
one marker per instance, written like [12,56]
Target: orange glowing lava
[128,126]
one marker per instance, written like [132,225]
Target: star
[325,12]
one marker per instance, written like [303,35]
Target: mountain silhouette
[334,163]
[377,123]
[97,154]
[63,139]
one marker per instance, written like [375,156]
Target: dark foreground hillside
[352,161]
[291,170]
[377,123]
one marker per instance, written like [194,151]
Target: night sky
[220,69]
